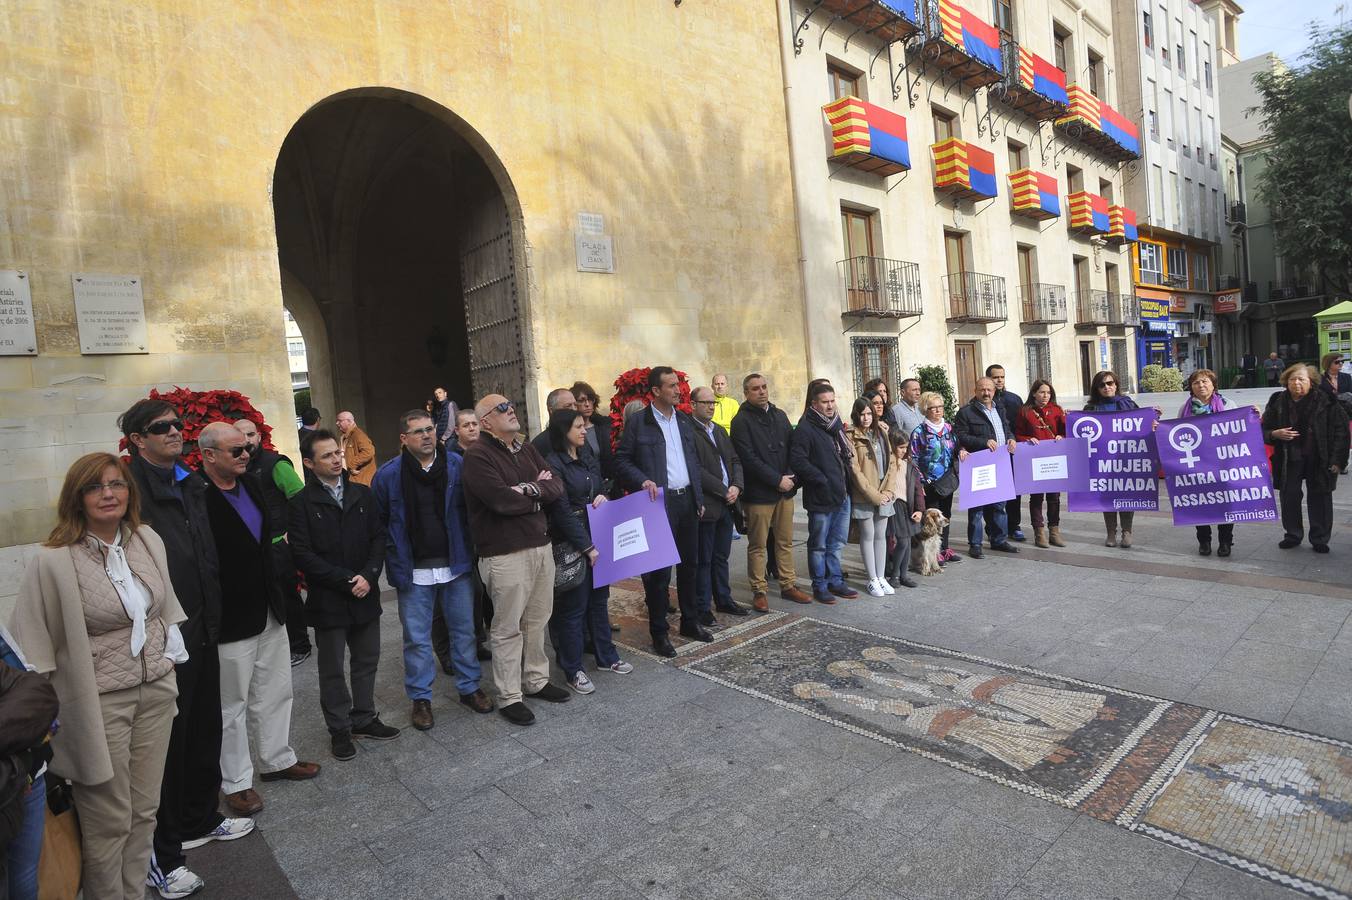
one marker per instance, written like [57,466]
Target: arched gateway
[400,235]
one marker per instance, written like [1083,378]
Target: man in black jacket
[761,434]
[820,455]
[1010,402]
[981,424]
[174,505]
[658,451]
[722,483]
[255,662]
[339,544]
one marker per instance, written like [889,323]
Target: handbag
[947,483]
[62,856]
[570,566]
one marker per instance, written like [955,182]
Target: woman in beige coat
[872,486]
[97,614]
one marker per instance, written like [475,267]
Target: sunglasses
[96,488]
[1107,383]
[504,406]
[162,428]
[235,452]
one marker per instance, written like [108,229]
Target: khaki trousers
[255,702]
[117,817]
[522,587]
[760,518]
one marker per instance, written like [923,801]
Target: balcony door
[967,363]
[1027,280]
[861,288]
[955,264]
[1086,365]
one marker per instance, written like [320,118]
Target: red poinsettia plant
[633,385]
[198,409]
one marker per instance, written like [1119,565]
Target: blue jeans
[26,847]
[583,611]
[415,613]
[712,586]
[994,514]
[826,534]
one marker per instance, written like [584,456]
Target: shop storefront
[1154,339]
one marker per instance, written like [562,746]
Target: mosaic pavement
[1270,801]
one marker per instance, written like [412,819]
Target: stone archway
[400,224]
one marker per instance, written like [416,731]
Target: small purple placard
[1052,467]
[985,478]
[632,536]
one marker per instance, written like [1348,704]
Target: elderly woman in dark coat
[1308,431]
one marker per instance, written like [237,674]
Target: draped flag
[964,168]
[1035,193]
[1088,212]
[1122,223]
[860,127]
[965,29]
[1042,77]
[1119,128]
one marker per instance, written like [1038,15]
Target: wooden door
[1086,365]
[492,310]
[967,362]
[955,263]
[860,280]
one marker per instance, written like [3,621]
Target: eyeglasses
[420,432]
[161,428]
[96,488]
[235,452]
[504,406]
[705,402]
[928,408]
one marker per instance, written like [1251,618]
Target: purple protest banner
[1122,462]
[1052,467]
[632,536]
[984,478]
[1216,468]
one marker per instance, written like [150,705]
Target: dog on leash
[925,545]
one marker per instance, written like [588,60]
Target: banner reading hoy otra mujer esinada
[1216,468]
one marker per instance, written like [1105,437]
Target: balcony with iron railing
[1034,195]
[1130,307]
[1088,213]
[1043,304]
[1238,215]
[1032,85]
[1228,282]
[959,44]
[875,287]
[894,21]
[1096,307]
[1289,290]
[1097,125]
[974,297]
[867,137]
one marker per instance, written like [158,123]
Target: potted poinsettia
[198,409]
[633,385]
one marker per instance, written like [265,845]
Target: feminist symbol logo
[1185,439]
[1089,429]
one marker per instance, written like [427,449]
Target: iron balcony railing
[1043,303]
[1176,281]
[1228,282]
[886,288]
[1096,307]
[1238,214]
[1290,290]
[1129,309]
[973,297]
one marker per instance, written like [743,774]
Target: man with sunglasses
[421,499]
[174,505]
[254,650]
[507,486]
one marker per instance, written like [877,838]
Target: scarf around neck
[411,474]
[1194,407]
[836,429]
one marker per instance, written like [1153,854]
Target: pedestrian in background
[359,454]
[1041,419]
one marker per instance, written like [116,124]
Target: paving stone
[928,866]
[1094,859]
[905,796]
[1312,626]
[1212,881]
[1042,820]
[484,818]
[816,856]
[1080,660]
[1245,695]
[323,821]
[1288,665]
[465,772]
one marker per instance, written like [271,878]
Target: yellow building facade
[504,195]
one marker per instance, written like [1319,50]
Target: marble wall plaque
[17,335]
[110,313]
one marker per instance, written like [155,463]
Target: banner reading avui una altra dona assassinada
[1216,469]
[1121,461]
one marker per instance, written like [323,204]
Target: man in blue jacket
[658,450]
[427,559]
[820,454]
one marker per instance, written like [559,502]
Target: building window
[1201,272]
[1106,190]
[1003,15]
[874,357]
[1095,72]
[1230,33]
[1148,31]
[1037,355]
[1157,190]
[945,125]
[1118,350]
[1196,59]
[1154,119]
[843,82]
[1178,50]
[1074,179]
[1151,262]
[1018,156]
[1061,48]
[1178,267]
[859,229]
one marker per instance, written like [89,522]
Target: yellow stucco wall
[141,138]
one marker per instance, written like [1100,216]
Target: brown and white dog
[925,545]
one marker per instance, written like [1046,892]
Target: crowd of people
[168,607]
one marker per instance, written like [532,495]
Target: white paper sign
[629,538]
[1050,468]
[983,478]
[110,313]
[595,253]
[17,336]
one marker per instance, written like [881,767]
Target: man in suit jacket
[722,483]
[359,454]
[658,450]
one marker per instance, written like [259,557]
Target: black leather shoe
[696,633]
[662,647]
[1204,548]
[518,713]
[1006,548]
[551,694]
[707,620]
[909,582]
[975,553]
[734,610]
[1287,543]
[1321,548]
[1223,550]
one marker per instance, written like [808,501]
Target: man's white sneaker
[228,830]
[581,683]
[181,882]
[875,590]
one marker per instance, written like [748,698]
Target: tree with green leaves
[1308,181]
